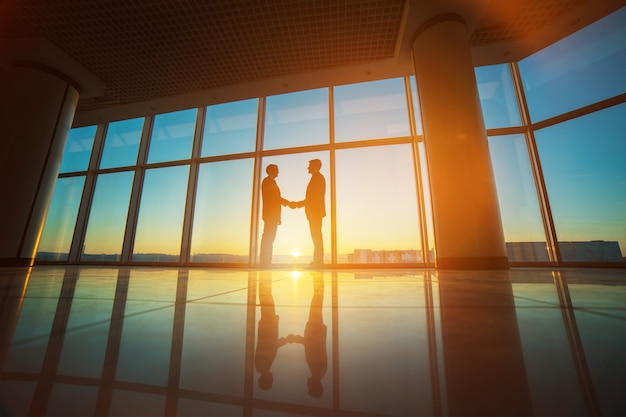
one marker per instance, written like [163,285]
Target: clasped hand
[293,205]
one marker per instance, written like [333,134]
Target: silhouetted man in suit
[272,202]
[268,341]
[315,208]
[314,339]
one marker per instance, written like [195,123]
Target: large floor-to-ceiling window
[557,134]
[184,187]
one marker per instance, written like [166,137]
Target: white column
[467,225]
[38,106]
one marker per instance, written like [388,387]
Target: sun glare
[295,275]
[295,252]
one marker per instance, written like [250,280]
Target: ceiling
[147,50]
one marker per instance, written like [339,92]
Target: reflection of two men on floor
[313,340]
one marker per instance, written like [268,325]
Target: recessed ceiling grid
[514,19]
[147,49]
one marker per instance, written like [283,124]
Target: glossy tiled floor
[166,341]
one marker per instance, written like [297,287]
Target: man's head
[272,170]
[315,165]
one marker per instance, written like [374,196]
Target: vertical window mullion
[540,185]
[418,172]
[256,184]
[133,207]
[333,184]
[191,188]
[80,229]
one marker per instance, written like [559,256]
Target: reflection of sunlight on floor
[295,275]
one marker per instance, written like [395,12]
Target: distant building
[592,251]
[397,256]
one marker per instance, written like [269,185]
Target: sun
[295,253]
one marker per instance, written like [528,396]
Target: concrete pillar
[38,105]
[467,225]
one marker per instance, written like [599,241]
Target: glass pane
[296,119]
[78,149]
[61,219]
[579,70]
[519,209]
[293,244]
[107,219]
[221,226]
[230,128]
[122,143]
[172,136]
[427,202]
[372,110]
[585,175]
[161,212]
[497,96]
[416,107]
[377,214]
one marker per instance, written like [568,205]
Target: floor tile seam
[600,313]
[219,303]
[289,408]
[535,300]
[86,326]
[217,295]
[56,379]
[180,392]
[246,288]
[382,307]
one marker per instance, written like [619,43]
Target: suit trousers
[315,225]
[267,241]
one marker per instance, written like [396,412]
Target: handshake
[295,204]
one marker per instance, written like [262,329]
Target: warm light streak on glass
[61,219]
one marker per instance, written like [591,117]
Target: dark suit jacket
[314,203]
[272,200]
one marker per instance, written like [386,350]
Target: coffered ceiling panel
[147,49]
